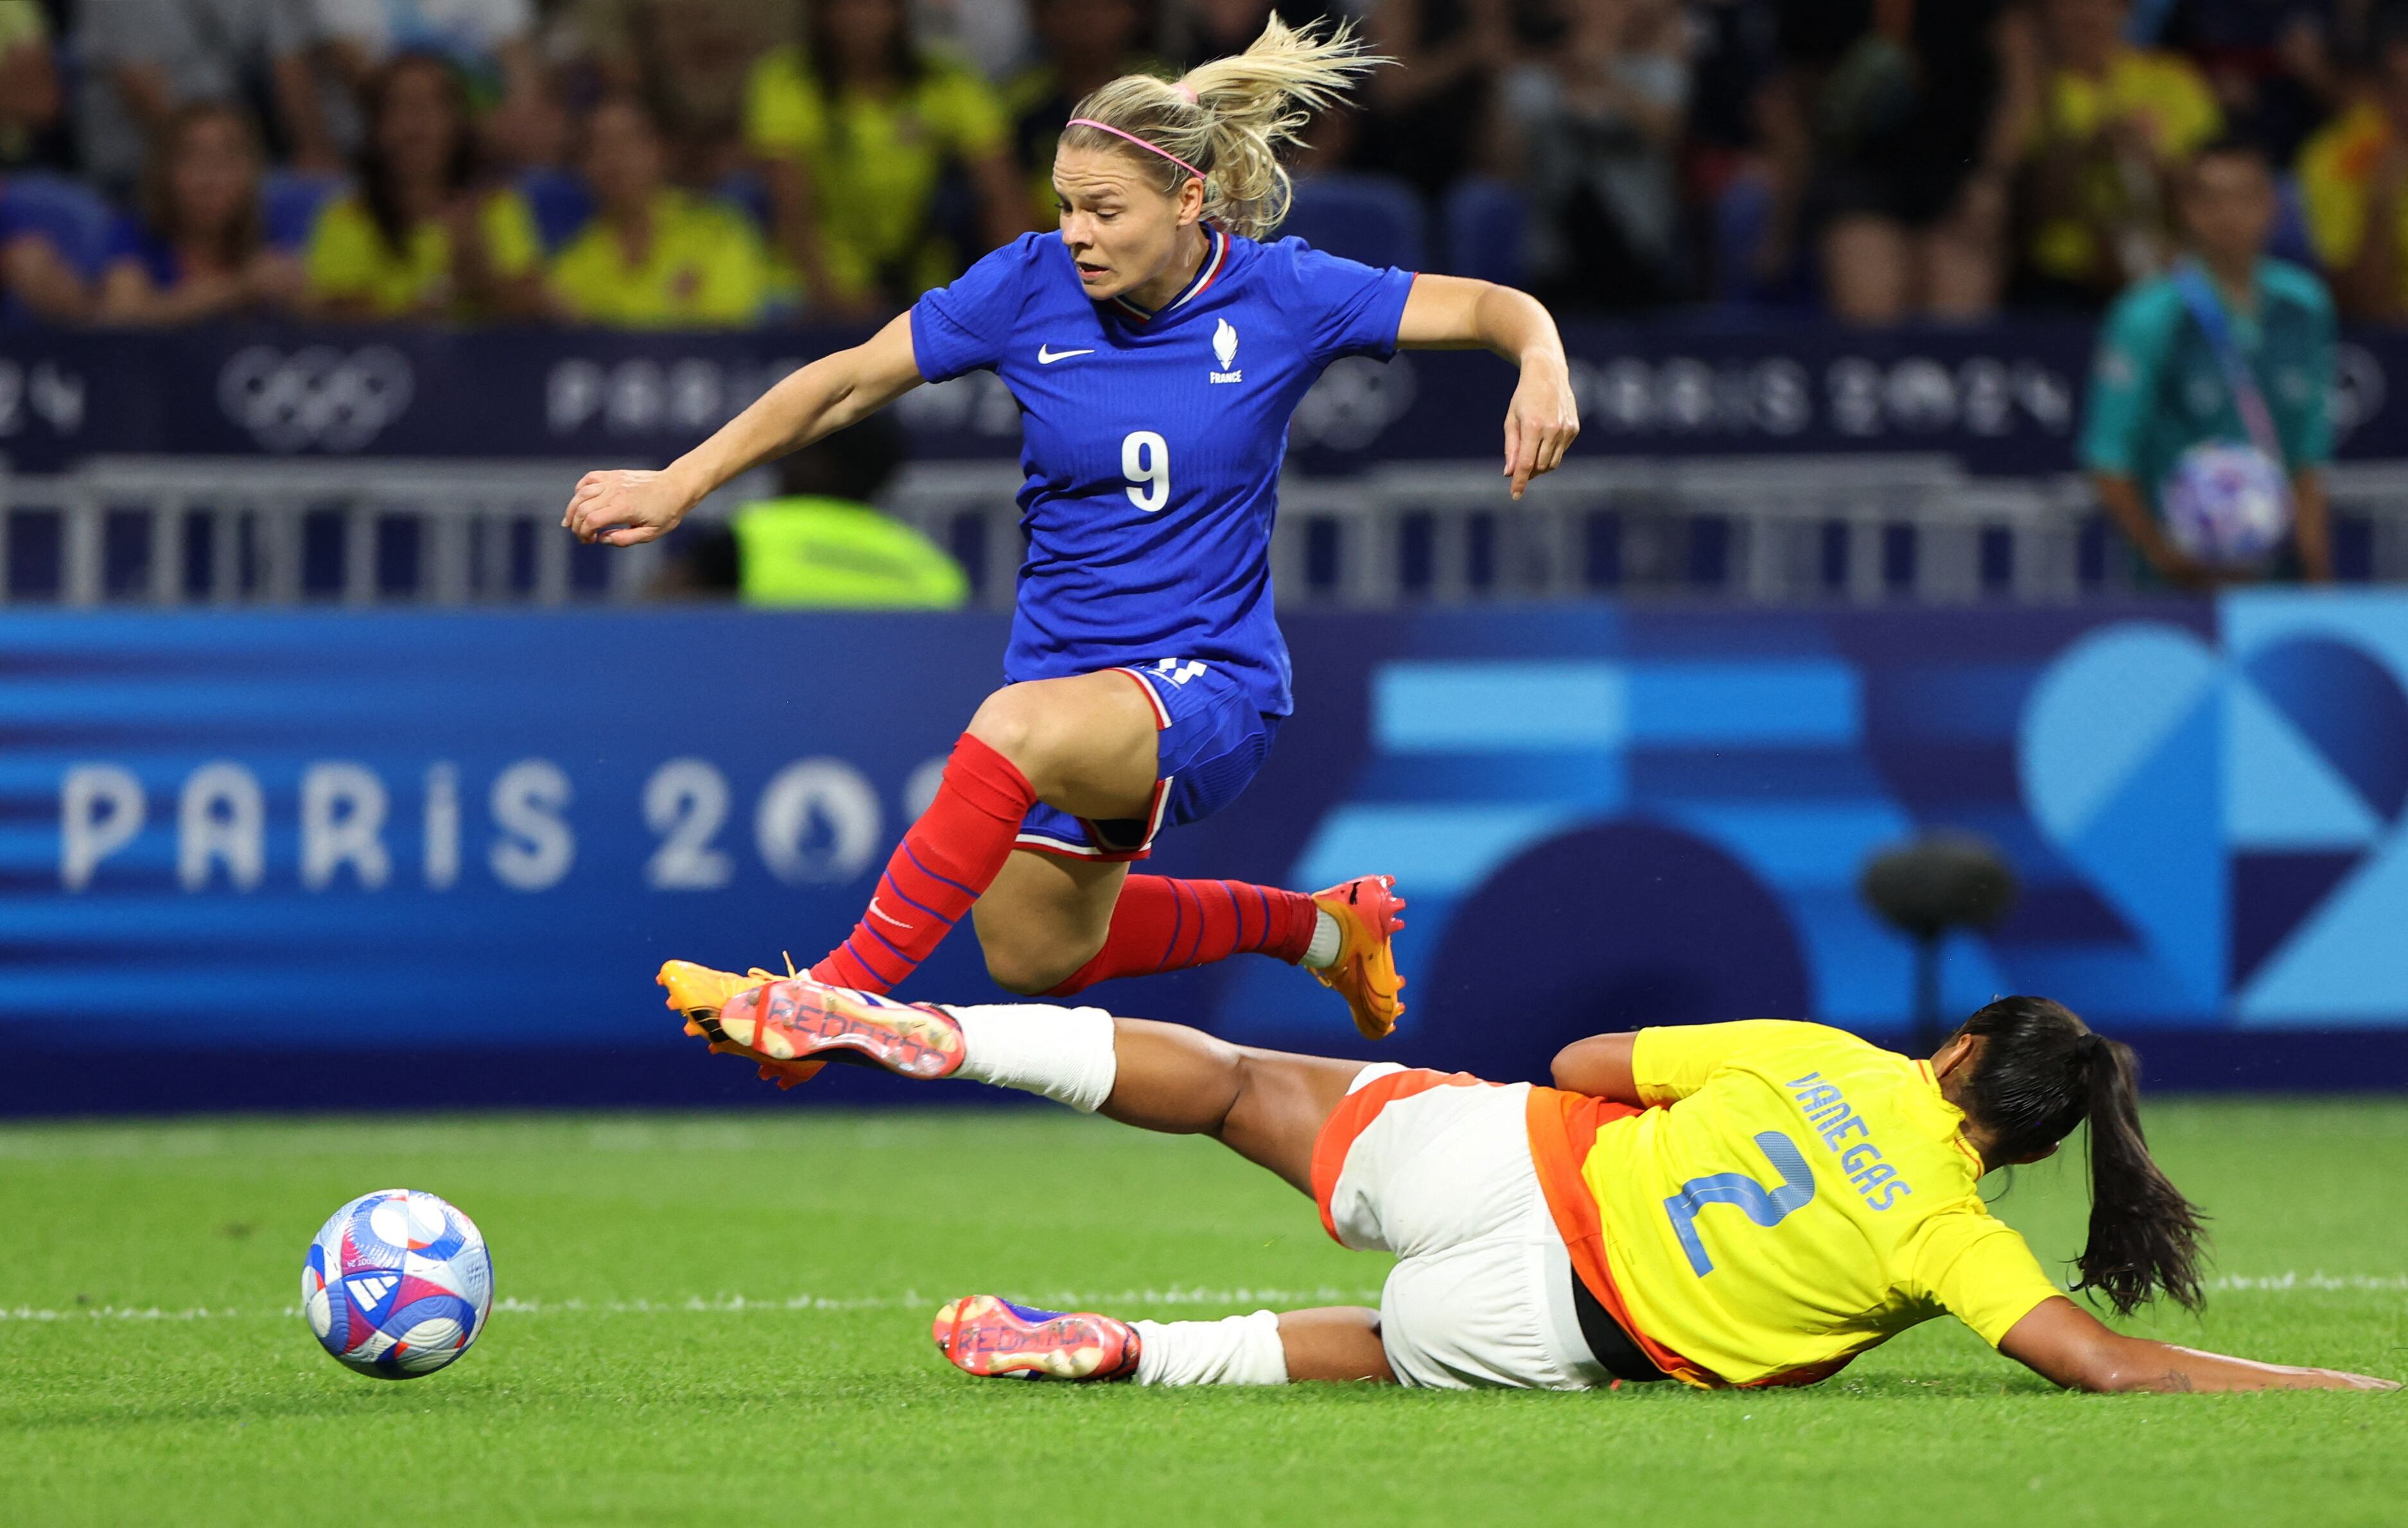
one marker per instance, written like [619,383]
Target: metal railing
[217,531]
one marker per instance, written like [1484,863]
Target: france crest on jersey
[1152,442]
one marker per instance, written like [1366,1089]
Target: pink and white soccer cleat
[989,1336]
[799,1019]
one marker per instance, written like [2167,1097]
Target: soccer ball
[398,1284]
[2227,506]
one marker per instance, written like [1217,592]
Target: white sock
[1235,1350]
[1064,1053]
[1328,937]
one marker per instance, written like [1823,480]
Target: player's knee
[1002,720]
[1250,1089]
[1012,721]
[1020,979]
[1025,968]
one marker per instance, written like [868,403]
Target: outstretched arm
[1678,1062]
[2061,1341]
[1599,1066]
[1456,312]
[626,507]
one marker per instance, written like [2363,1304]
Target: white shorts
[1437,1169]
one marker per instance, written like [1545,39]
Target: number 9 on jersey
[1145,461]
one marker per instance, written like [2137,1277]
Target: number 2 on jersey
[1145,461]
[1764,1206]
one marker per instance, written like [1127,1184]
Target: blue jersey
[1152,442]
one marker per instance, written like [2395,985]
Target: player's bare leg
[1085,744]
[1266,1105]
[1044,918]
[1055,927]
[1088,747]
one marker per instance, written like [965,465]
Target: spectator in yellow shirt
[2354,179]
[654,257]
[420,238]
[2115,123]
[857,126]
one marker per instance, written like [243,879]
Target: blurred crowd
[718,162]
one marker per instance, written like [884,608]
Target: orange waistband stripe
[1562,1131]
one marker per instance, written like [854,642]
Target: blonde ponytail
[1227,120]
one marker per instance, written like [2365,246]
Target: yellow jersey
[2337,170]
[1792,1196]
[704,268]
[348,258]
[875,161]
[2166,91]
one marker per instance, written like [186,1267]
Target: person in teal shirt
[2157,386]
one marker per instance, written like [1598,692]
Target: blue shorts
[1212,740]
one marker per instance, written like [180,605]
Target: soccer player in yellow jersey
[1740,1204]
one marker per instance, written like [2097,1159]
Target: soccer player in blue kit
[1157,350]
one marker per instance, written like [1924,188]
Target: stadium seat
[1484,220]
[69,213]
[2290,240]
[1375,219]
[560,205]
[746,190]
[290,201]
[1742,215]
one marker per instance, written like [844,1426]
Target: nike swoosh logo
[1046,357]
[882,912]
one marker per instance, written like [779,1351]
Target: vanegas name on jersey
[1835,1120]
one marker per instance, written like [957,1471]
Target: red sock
[1160,924]
[949,857]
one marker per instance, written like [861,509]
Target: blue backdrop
[347,859]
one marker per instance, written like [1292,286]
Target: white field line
[1153,1299]
[2285,1283]
[738,1304]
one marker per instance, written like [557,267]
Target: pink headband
[1149,148]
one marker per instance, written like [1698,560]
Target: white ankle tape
[1062,1053]
[1234,1350]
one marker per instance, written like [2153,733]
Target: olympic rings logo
[318,396]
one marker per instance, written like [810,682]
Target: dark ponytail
[2041,1072]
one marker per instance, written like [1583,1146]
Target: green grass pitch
[724,1319]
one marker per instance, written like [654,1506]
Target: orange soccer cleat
[698,993]
[988,1336]
[1365,971]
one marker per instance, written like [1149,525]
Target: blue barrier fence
[2002,399]
[341,861]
